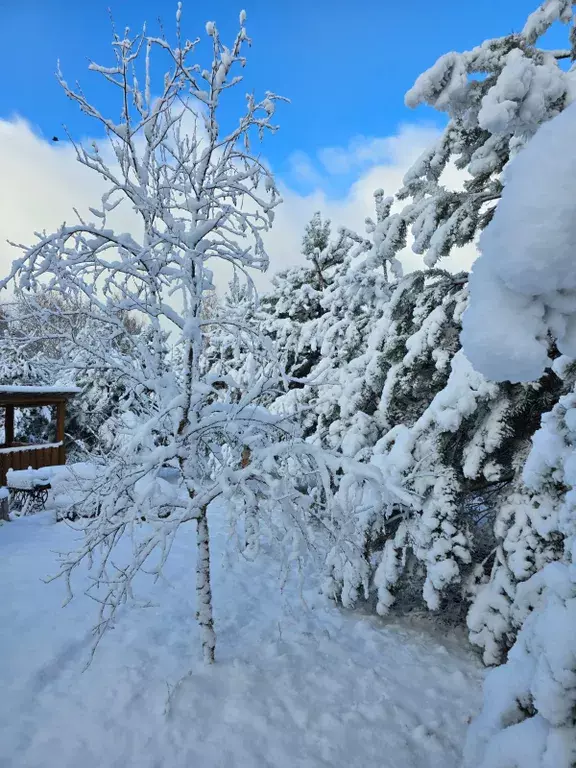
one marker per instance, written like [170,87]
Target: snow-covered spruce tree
[352,306]
[235,348]
[375,336]
[495,96]
[355,293]
[294,319]
[459,460]
[453,463]
[450,444]
[408,332]
[294,306]
[524,283]
[200,195]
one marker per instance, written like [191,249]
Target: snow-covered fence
[22,457]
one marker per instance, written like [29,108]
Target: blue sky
[345,64]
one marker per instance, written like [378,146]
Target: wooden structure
[18,456]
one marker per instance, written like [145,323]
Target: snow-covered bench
[29,486]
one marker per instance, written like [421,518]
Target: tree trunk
[250,529]
[203,588]
[60,430]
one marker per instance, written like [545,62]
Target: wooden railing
[25,456]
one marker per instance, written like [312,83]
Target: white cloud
[361,151]
[302,169]
[42,183]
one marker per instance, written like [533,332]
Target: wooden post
[60,422]
[5,507]
[9,425]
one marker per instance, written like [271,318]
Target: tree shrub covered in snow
[524,279]
[529,717]
[496,96]
[390,388]
[200,194]
[523,285]
[22,363]
[387,384]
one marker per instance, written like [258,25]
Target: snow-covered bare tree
[200,195]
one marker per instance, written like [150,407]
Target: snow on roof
[8,388]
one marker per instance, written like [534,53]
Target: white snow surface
[523,285]
[26,479]
[298,682]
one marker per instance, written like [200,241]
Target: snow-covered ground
[297,683]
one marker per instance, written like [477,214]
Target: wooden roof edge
[32,396]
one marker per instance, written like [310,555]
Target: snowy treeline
[477,522]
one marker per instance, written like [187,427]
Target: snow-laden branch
[199,193]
